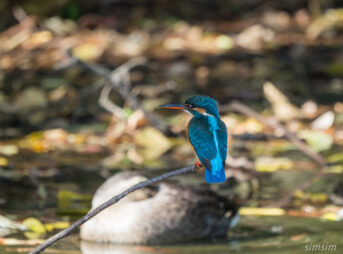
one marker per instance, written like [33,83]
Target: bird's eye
[189,106]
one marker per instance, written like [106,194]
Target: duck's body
[164,213]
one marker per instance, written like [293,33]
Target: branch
[257,137]
[285,200]
[107,104]
[108,203]
[302,146]
[119,79]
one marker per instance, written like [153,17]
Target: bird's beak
[175,106]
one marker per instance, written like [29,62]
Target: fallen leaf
[56,225]
[323,122]
[3,161]
[330,216]
[66,197]
[34,225]
[30,98]
[281,106]
[311,197]
[271,164]
[87,51]
[297,237]
[224,42]
[318,140]
[309,109]
[13,241]
[262,211]
[153,143]
[254,37]
[9,150]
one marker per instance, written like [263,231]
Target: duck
[164,213]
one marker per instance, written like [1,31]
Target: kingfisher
[207,134]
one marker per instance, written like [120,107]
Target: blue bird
[207,134]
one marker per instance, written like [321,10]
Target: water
[273,234]
[279,234]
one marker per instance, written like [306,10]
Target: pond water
[278,234]
[253,234]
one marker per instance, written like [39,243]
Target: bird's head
[197,104]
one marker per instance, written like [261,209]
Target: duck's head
[197,104]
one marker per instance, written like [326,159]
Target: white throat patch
[187,111]
[207,114]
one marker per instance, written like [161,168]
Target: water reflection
[255,235]
[107,248]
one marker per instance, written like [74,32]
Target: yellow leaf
[312,197]
[14,241]
[34,225]
[35,142]
[87,51]
[32,235]
[261,211]
[224,42]
[270,164]
[336,169]
[3,161]
[330,216]
[40,37]
[153,143]
[56,225]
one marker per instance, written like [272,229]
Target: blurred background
[80,85]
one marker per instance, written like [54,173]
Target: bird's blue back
[208,136]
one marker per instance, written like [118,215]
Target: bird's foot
[197,165]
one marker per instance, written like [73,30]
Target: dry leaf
[261,211]
[153,143]
[281,106]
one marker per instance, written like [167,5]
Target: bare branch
[120,81]
[106,103]
[302,146]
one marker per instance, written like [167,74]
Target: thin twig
[256,137]
[295,140]
[302,146]
[19,13]
[304,185]
[119,80]
[108,203]
[106,103]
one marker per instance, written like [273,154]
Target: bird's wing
[202,141]
[222,139]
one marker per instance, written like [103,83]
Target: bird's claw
[197,165]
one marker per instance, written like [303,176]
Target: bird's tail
[217,172]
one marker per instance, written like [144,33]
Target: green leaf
[317,140]
[65,197]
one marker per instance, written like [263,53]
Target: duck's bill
[174,106]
